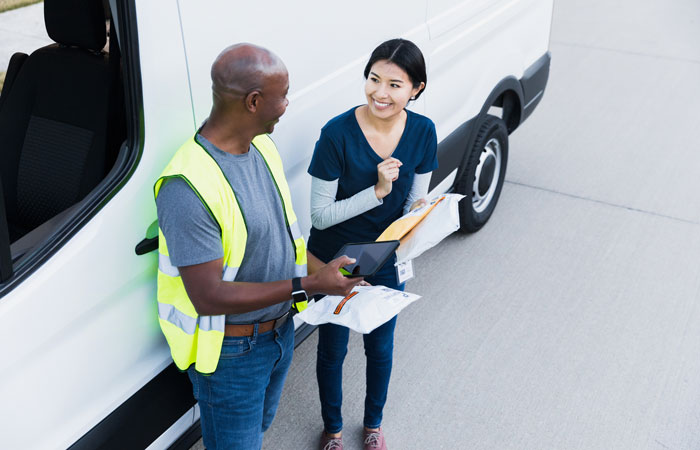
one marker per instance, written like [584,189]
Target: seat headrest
[79,23]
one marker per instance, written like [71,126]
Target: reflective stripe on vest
[189,324]
[195,339]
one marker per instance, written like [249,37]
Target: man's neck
[227,138]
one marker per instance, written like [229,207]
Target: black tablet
[369,257]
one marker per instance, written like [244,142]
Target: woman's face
[388,89]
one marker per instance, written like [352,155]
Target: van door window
[63,128]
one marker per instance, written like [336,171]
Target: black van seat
[55,138]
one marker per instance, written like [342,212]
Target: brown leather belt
[247,329]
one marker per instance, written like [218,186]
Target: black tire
[484,169]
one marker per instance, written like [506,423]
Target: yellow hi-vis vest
[194,338]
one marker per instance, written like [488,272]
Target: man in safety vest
[232,257]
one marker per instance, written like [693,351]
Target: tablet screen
[369,257]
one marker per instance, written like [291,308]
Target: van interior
[62,130]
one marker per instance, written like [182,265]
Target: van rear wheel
[482,178]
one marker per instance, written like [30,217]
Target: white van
[84,134]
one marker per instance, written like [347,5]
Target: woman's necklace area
[383,142]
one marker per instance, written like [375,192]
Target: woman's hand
[387,173]
[418,204]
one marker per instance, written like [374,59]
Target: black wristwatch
[299,298]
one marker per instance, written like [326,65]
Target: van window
[64,132]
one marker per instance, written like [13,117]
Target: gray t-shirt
[194,237]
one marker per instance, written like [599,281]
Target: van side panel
[325,47]
[473,47]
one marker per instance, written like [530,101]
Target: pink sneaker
[374,440]
[330,443]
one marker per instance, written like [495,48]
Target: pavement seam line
[603,202]
[626,52]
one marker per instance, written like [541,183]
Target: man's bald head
[241,69]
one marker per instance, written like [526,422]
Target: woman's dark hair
[404,54]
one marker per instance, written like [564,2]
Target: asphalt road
[572,320]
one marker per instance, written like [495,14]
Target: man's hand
[329,280]
[387,173]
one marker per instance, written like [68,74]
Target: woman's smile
[381,105]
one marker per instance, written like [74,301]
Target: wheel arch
[512,107]
[508,95]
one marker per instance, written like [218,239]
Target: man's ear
[252,100]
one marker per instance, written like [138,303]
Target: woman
[371,164]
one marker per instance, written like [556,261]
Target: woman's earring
[413,98]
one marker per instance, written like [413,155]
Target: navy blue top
[342,153]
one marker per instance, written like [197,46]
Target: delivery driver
[232,258]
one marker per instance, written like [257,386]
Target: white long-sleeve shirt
[326,211]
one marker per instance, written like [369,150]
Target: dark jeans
[332,348]
[238,401]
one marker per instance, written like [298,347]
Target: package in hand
[442,220]
[363,310]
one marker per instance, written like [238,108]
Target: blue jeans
[238,401]
[332,348]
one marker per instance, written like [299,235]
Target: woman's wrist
[380,192]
